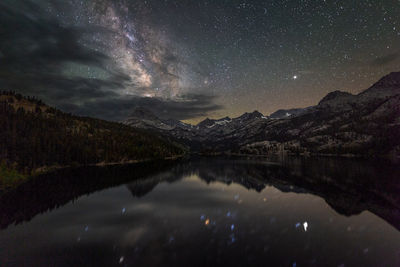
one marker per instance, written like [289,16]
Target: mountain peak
[252,115]
[205,123]
[334,95]
[389,81]
[257,113]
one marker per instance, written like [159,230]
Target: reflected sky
[205,213]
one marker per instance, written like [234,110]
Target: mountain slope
[285,113]
[341,123]
[367,123]
[35,135]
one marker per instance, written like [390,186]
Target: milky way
[192,59]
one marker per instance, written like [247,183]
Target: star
[241,53]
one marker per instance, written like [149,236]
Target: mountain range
[37,136]
[341,123]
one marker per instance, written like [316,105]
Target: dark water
[207,212]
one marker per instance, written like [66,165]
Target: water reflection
[348,186]
[54,190]
[208,211]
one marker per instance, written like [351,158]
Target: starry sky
[192,59]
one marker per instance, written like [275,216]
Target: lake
[284,211]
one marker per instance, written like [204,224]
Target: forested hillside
[34,135]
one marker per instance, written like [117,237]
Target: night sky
[191,59]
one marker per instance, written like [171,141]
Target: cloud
[33,42]
[384,60]
[43,57]
[119,108]
[35,49]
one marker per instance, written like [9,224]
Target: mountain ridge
[341,123]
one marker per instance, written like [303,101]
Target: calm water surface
[207,212]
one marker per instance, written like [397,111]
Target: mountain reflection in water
[210,211]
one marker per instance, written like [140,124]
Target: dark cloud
[384,60]
[31,41]
[119,108]
[36,49]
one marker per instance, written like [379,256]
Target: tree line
[30,140]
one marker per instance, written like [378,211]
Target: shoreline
[303,155]
[22,178]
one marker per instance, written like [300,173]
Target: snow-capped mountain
[286,113]
[209,123]
[340,123]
